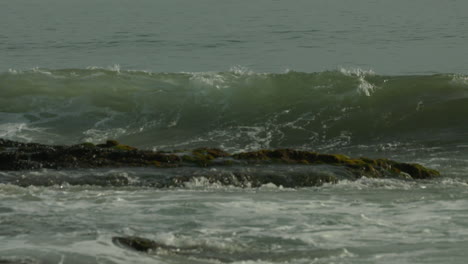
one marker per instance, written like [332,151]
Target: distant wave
[234,110]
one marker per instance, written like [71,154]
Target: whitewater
[375,79]
[71,216]
[234,110]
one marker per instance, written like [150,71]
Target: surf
[237,110]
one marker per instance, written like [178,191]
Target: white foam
[202,182]
[371,183]
[241,70]
[210,79]
[115,68]
[356,72]
[271,186]
[252,137]
[51,74]
[94,135]
[364,87]
[460,80]
[13,71]
[38,70]
[19,131]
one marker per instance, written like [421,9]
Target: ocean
[364,78]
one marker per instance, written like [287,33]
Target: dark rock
[32,156]
[109,144]
[416,171]
[141,244]
[18,261]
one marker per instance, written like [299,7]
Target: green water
[365,78]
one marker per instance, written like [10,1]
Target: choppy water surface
[235,110]
[383,79]
[367,221]
[390,37]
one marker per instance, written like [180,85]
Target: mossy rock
[333,158]
[416,171]
[168,158]
[189,158]
[87,145]
[113,154]
[213,152]
[296,156]
[228,162]
[123,147]
[356,163]
[254,155]
[109,144]
[114,144]
[204,156]
[156,164]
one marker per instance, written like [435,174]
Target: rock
[15,260]
[360,167]
[416,171]
[205,156]
[32,156]
[139,244]
[108,144]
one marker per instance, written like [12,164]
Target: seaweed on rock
[32,156]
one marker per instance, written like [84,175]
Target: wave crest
[237,110]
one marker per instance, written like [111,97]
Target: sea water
[381,79]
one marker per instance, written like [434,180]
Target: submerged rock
[15,156]
[210,254]
[141,244]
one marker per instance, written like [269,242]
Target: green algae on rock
[360,166]
[204,156]
[115,145]
[32,156]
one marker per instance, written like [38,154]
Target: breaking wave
[237,110]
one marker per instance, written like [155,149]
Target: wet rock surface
[141,244]
[30,156]
[17,156]
[210,254]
